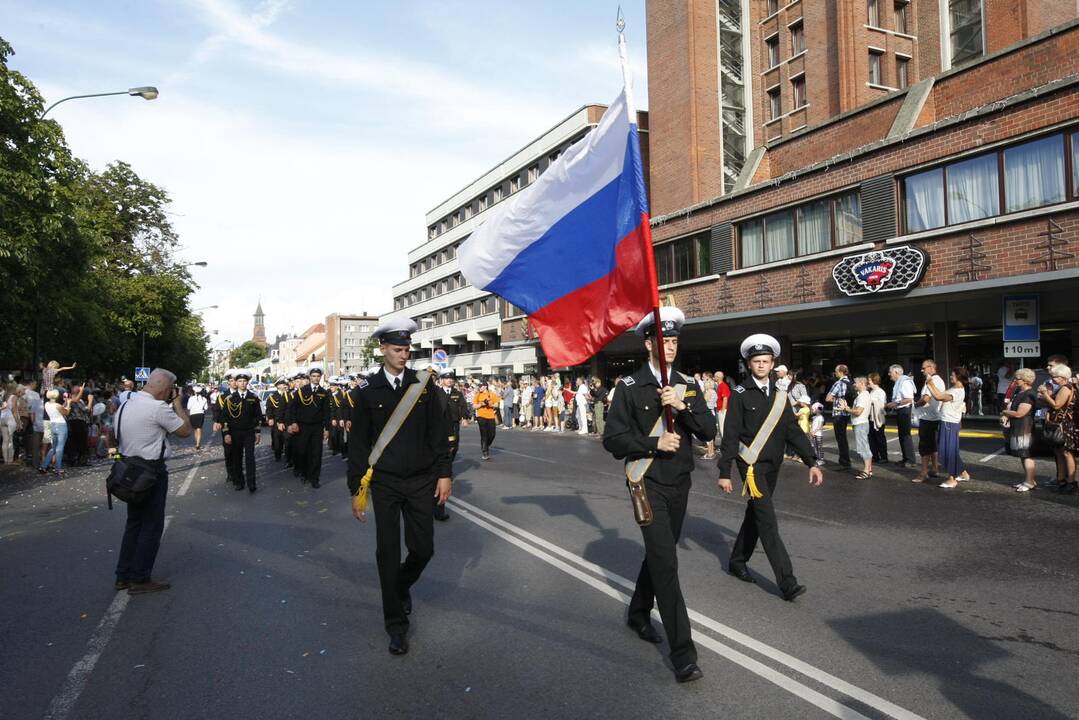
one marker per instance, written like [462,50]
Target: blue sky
[302,141]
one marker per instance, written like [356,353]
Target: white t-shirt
[951,411]
[582,395]
[197,404]
[52,409]
[144,424]
[862,401]
[931,410]
[816,426]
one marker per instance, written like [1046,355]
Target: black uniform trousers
[839,424]
[278,440]
[393,499]
[455,442]
[487,433]
[906,443]
[229,463]
[760,523]
[243,457]
[658,577]
[307,452]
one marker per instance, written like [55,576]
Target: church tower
[259,335]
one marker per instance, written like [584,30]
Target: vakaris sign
[877,271]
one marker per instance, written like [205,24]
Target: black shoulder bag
[131,479]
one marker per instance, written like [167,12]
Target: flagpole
[650,260]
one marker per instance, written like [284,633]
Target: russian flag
[574,249]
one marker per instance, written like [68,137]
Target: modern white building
[453,315]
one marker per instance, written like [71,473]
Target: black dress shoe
[314,483]
[398,644]
[237,486]
[741,573]
[688,674]
[645,631]
[794,592]
[406,602]
[442,516]
[252,488]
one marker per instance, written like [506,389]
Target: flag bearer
[635,431]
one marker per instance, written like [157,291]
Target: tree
[248,353]
[367,352]
[87,260]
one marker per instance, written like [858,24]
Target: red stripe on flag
[576,326]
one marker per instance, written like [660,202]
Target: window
[902,72]
[973,189]
[813,227]
[684,259]
[533,174]
[1075,163]
[553,157]
[773,7]
[456,314]
[798,39]
[798,90]
[456,219]
[902,20]
[965,35]
[1034,173]
[774,104]
[874,67]
[772,44]
[873,13]
[468,211]
[497,193]
[482,203]
[515,183]
[924,196]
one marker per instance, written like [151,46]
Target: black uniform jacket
[746,411]
[243,414]
[309,407]
[275,406]
[218,407]
[633,413]
[420,446]
[456,405]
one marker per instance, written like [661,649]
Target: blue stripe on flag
[580,247]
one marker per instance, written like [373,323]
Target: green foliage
[87,260]
[367,352]
[246,354]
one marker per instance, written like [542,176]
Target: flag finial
[620,23]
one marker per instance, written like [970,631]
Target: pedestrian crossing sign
[142,374]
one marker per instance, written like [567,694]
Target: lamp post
[146,92]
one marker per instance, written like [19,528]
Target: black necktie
[397,383]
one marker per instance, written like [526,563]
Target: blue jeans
[142,534]
[59,439]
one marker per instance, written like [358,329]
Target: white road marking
[187,481]
[489,521]
[65,700]
[990,456]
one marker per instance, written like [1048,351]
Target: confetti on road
[139,666]
[82,616]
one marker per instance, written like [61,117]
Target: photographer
[143,424]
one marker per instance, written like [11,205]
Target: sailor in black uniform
[628,434]
[243,415]
[456,414]
[749,414]
[276,403]
[308,418]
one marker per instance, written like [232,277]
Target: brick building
[866,179]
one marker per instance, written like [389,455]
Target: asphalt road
[922,602]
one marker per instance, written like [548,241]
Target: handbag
[1053,433]
[131,479]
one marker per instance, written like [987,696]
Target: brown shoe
[121,585]
[150,586]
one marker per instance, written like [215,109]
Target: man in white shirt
[143,428]
[582,397]
[902,403]
[928,422]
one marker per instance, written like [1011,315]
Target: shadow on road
[927,642]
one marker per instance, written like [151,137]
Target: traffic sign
[142,374]
[440,359]
[1022,349]
[1021,322]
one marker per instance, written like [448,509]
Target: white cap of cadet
[671,318]
[759,344]
[396,331]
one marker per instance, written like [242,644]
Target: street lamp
[200,263]
[146,92]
